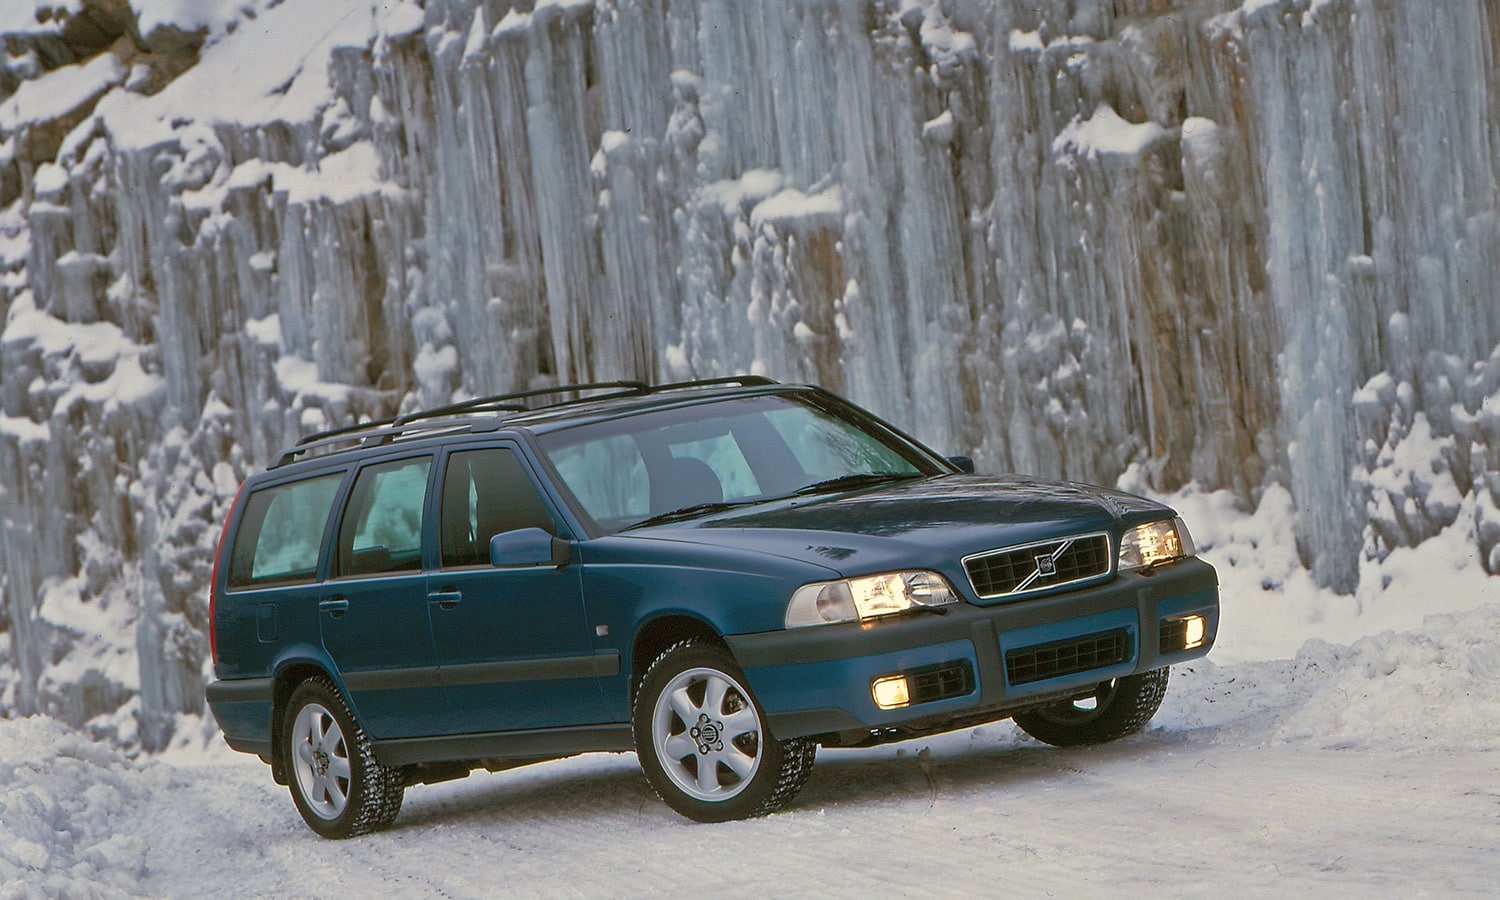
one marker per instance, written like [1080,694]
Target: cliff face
[1234,245]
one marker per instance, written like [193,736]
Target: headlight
[850,599]
[1155,543]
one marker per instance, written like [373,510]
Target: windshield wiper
[687,512]
[850,482]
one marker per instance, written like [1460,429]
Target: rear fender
[295,665]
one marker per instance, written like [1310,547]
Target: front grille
[1082,654]
[1038,567]
[940,682]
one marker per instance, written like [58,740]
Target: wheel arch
[288,677]
[656,635]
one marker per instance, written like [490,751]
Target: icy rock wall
[1231,244]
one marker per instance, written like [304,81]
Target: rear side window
[281,532]
[382,527]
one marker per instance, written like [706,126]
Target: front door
[513,645]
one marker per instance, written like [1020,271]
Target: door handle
[335,607]
[446,599]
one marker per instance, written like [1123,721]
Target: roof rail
[741,380]
[317,436]
[383,431]
[507,402]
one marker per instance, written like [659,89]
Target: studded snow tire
[1112,710]
[703,741]
[339,787]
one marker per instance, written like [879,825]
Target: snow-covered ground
[1330,746]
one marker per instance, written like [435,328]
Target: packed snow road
[1360,770]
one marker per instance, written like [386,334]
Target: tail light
[213,587]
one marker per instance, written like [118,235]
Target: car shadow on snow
[992,756]
[593,785]
[610,787]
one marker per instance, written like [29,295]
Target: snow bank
[1434,688]
[60,812]
[1271,603]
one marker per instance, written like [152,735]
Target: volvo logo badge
[1046,565]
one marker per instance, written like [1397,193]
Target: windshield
[648,467]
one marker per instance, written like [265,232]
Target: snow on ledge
[60,92]
[23,430]
[21,16]
[402,20]
[793,207]
[1105,133]
[300,376]
[749,189]
[340,178]
[275,69]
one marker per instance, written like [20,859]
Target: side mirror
[527,548]
[963,463]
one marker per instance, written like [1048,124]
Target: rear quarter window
[281,533]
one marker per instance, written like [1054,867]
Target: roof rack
[366,434]
[507,402]
[741,380]
[383,431]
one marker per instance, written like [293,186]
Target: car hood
[927,523]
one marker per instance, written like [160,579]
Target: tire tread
[1135,701]
[796,754]
[384,787]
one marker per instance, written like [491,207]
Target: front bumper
[978,662]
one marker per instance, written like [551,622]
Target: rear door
[373,609]
[513,644]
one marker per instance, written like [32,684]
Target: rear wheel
[1111,710]
[703,742]
[339,787]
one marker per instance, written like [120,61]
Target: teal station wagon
[719,575]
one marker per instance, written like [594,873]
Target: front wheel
[703,742]
[339,787]
[1111,710]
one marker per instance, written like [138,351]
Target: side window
[485,493]
[281,533]
[382,527]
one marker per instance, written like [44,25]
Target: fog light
[1194,630]
[891,692]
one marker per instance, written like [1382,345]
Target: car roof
[489,415]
